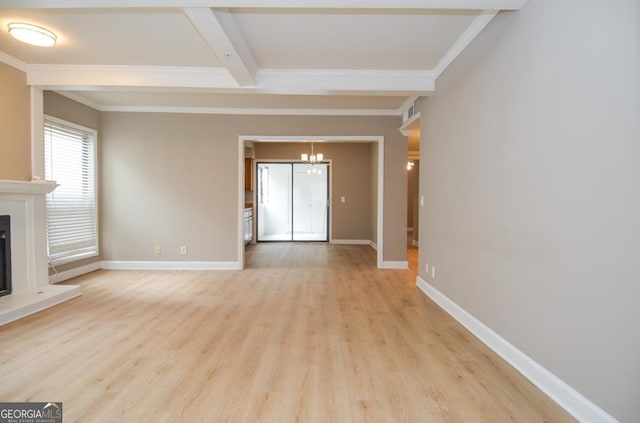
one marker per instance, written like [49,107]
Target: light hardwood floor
[307,333]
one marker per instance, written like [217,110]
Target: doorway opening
[292,201]
[414,198]
[378,158]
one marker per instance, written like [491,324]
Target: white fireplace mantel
[25,187]
[24,201]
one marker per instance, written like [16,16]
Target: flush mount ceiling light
[32,34]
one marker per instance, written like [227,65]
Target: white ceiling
[351,40]
[259,56]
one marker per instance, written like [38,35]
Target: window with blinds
[72,227]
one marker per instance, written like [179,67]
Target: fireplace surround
[31,292]
[5,255]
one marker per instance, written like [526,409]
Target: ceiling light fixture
[410,165]
[32,34]
[313,158]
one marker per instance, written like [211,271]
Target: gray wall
[171,180]
[64,108]
[531,172]
[351,177]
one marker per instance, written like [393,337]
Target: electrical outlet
[343,199]
[157,249]
[183,250]
[433,272]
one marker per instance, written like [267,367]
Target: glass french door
[292,202]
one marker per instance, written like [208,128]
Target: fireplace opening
[5,255]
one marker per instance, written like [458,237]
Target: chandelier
[313,157]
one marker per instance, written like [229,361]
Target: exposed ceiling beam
[270,4]
[332,81]
[223,36]
[251,111]
[268,81]
[98,76]
[229,110]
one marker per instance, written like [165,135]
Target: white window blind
[69,153]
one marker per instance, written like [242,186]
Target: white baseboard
[350,241]
[171,265]
[395,265]
[415,243]
[75,272]
[355,242]
[568,398]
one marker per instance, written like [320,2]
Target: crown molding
[12,61]
[465,39]
[270,4]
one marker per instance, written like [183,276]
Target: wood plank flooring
[307,333]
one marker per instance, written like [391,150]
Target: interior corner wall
[15,125]
[531,176]
[171,180]
[350,176]
[64,108]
